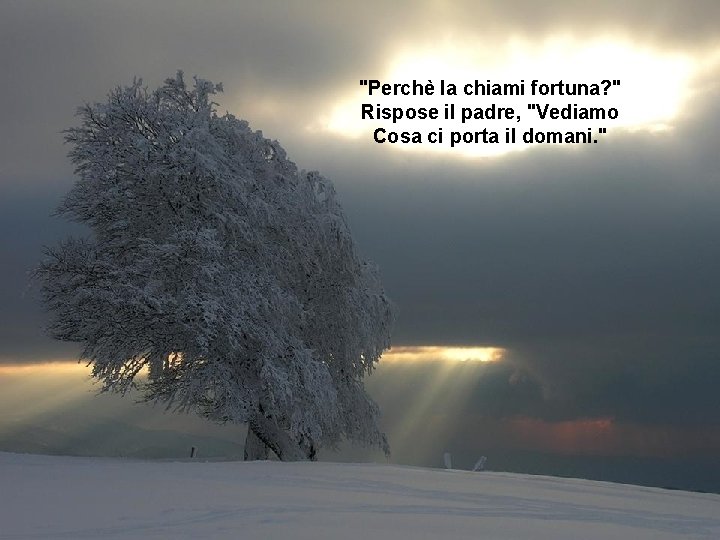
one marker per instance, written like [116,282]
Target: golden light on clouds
[49,369]
[31,390]
[440,353]
[655,87]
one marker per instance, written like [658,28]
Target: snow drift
[66,497]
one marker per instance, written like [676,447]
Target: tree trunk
[271,435]
[309,449]
[255,449]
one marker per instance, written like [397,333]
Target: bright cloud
[654,88]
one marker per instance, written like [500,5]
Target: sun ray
[40,388]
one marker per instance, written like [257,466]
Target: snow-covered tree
[217,277]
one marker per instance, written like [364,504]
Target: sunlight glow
[50,368]
[439,353]
[41,388]
[655,86]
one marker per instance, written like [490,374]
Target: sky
[593,269]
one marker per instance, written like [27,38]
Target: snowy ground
[78,498]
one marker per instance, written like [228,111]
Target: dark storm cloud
[609,246]
[597,269]
[616,240]
[26,226]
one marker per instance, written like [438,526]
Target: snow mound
[77,498]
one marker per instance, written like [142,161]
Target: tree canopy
[217,277]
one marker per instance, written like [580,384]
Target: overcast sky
[598,268]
